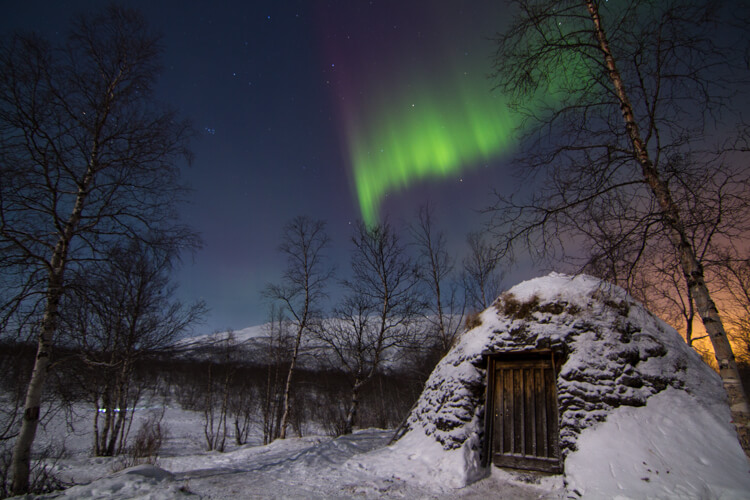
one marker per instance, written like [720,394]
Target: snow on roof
[618,358]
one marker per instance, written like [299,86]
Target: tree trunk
[351,415]
[21,460]
[108,407]
[224,410]
[288,386]
[689,317]
[445,341]
[691,267]
[117,417]
[125,431]
[268,416]
[239,431]
[121,414]
[97,408]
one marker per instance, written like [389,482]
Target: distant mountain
[254,344]
[247,344]
[249,334]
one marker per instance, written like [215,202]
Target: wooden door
[525,431]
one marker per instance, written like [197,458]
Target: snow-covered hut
[572,375]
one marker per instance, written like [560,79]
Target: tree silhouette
[620,101]
[86,158]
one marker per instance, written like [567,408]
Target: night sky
[339,110]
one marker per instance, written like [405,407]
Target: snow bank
[418,458]
[672,448]
[143,481]
[618,358]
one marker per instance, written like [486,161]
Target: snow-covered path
[309,467]
[316,467]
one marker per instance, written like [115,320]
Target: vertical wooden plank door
[525,431]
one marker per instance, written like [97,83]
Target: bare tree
[302,287]
[627,245]
[118,312]
[379,312]
[445,305]
[242,411]
[85,158]
[216,396]
[665,290]
[618,101]
[481,274]
[734,274]
[351,336]
[243,400]
[277,351]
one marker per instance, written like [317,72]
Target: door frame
[544,464]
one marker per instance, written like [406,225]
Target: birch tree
[620,102]
[302,288]
[85,157]
[117,312]
[379,311]
[482,275]
[356,348]
[275,352]
[444,305]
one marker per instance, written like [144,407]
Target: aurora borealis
[427,118]
[426,138]
[415,109]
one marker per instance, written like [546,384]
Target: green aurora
[420,128]
[436,135]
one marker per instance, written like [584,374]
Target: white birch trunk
[691,267]
[288,386]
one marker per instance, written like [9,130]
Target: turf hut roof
[619,367]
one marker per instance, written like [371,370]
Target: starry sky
[339,110]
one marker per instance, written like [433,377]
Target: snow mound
[146,482]
[617,358]
[674,447]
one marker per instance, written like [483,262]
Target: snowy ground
[313,467]
[671,438]
[363,466]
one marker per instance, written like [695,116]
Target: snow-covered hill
[243,336]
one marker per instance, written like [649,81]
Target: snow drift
[640,413]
